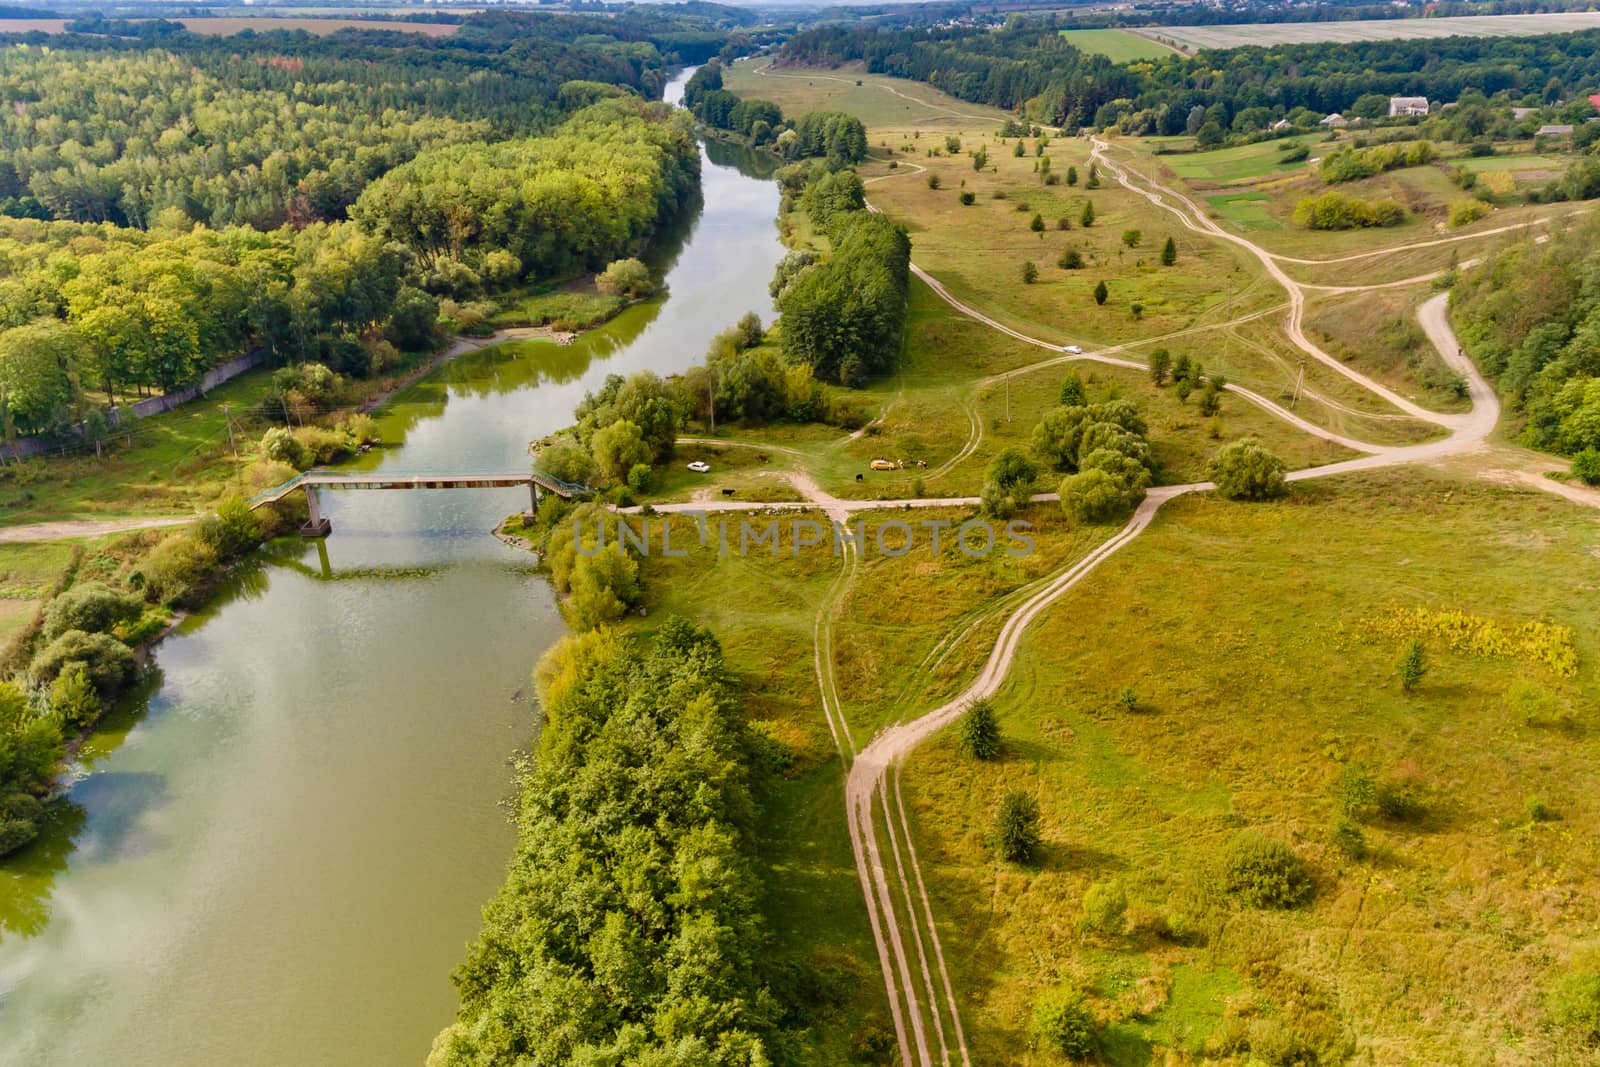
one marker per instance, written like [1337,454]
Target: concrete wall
[31,447]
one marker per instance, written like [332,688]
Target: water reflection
[275,851]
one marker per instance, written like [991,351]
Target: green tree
[1413,666]
[1072,175]
[1007,484]
[967,198]
[73,698]
[1130,238]
[605,584]
[1160,364]
[109,662]
[933,180]
[1105,909]
[980,731]
[626,277]
[1169,253]
[1245,470]
[1037,224]
[1087,218]
[980,159]
[91,607]
[1071,259]
[1101,292]
[1586,465]
[1030,272]
[1018,150]
[1014,834]
[617,448]
[1072,393]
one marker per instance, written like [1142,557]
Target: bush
[619,448]
[604,586]
[1245,470]
[1014,834]
[232,530]
[108,662]
[91,607]
[567,462]
[980,732]
[1095,496]
[1063,1024]
[1265,873]
[175,568]
[967,199]
[1347,836]
[1007,485]
[279,445]
[1030,272]
[1586,466]
[933,180]
[1105,909]
[1336,211]
[626,277]
[1413,666]
[1071,259]
[73,699]
[1538,810]
[641,476]
[320,444]
[1463,212]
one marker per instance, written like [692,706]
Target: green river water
[278,854]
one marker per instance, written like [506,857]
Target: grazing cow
[727,492]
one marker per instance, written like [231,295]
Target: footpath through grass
[1245,633]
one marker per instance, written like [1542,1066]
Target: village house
[1407,105]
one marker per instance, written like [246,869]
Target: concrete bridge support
[316,525]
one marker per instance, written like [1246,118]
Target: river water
[279,854]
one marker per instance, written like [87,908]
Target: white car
[700,466]
[1076,350]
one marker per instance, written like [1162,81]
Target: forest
[1530,316]
[628,929]
[1029,67]
[163,210]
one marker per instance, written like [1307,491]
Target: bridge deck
[331,480]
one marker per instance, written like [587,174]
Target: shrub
[1538,810]
[1413,666]
[1356,792]
[91,607]
[1014,834]
[1128,699]
[320,444]
[980,732]
[1105,909]
[1400,800]
[1169,253]
[1036,224]
[618,448]
[1130,238]
[175,568]
[1007,484]
[604,586]
[640,477]
[1072,393]
[1347,836]
[1336,211]
[73,699]
[1063,1024]
[1101,292]
[279,445]
[1030,272]
[1070,259]
[108,662]
[1160,364]
[933,180]
[1463,212]
[1245,470]
[967,199]
[1265,873]
[626,277]
[567,462]
[232,530]
[1063,223]
[361,428]
[1586,466]
[1096,496]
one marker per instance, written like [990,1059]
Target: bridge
[312,481]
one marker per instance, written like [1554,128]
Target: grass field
[878,101]
[1238,36]
[1119,46]
[1238,162]
[1241,630]
[1246,211]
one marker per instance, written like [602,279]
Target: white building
[1407,105]
[1334,120]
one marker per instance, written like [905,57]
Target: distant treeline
[1028,67]
[838,137]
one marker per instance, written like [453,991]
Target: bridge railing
[544,478]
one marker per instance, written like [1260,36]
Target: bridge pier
[316,525]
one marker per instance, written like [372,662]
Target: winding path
[866,784]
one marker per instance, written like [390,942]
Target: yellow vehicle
[882,465]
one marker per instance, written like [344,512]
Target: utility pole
[228,417]
[1008,398]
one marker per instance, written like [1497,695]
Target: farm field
[878,101]
[1239,36]
[1237,163]
[1119,46]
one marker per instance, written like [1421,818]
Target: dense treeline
[838,137]
[627,931]
[1028,67]
[579,198]
[117,310]
[844,316]
[1530,316]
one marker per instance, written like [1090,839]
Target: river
[279,853]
